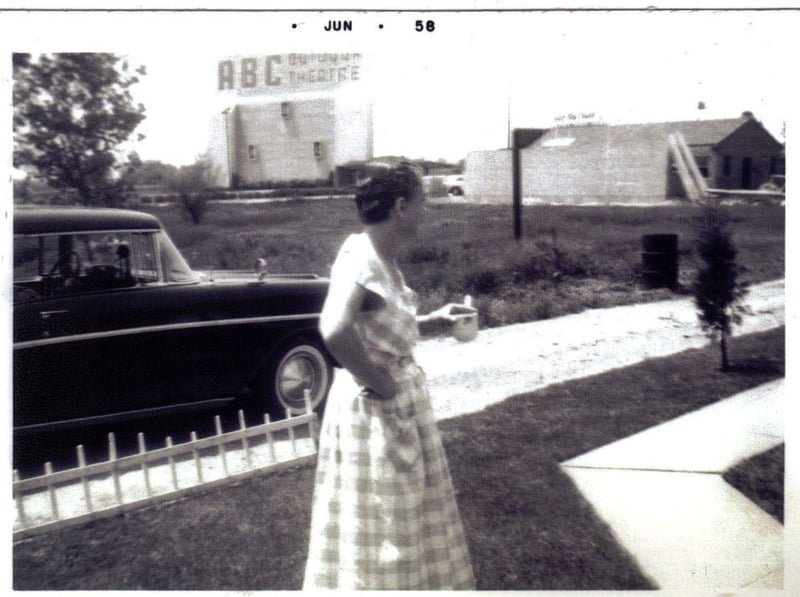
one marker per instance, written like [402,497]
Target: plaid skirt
[384,513]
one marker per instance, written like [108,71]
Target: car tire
[456,191]
[298,365]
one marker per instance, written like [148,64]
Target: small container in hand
[465,326]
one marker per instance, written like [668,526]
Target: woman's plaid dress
[384,513]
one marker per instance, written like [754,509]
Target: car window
[172,262]
[27,265]
[144,264]
[72,263]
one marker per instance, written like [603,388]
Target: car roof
[61,220]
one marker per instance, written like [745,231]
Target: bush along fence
[93,491]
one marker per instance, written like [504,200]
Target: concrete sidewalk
[662,493]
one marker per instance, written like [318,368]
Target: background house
[628,163]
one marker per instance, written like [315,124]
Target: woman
[384,514]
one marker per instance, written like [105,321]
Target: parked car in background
[454,184]
[111,324]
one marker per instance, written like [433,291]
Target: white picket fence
[92,491]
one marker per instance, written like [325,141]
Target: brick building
[288,117]
[628,163]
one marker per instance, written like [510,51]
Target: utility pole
[521,138]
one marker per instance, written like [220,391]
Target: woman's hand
[343,342]
[387,391]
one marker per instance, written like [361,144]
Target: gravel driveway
[502,362]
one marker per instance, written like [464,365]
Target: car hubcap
[298,374]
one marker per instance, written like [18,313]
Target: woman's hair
[376,197]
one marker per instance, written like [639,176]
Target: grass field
[569,257]
[526,524]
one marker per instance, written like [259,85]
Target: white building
[289,117]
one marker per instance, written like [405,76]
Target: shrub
[549,262]
[485,281]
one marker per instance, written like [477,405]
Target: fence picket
[197,464]
[112,459]
[245,445]
[87,493]
[28,524]
[145,468]
[171,461]
[291,434]
[48,471]
[221,444]
[312,427]
[20,503]
[269,439]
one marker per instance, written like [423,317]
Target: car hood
[238,276]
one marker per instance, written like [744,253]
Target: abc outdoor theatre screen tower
[289,117]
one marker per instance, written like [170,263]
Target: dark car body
[111,324]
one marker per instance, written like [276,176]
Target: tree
[155,173]
[191,182]
[71,114]
[718,293]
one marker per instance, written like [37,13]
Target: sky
[459,88]
[445,99]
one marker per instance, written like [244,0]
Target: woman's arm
[338,331]
[432,324]
[442,320]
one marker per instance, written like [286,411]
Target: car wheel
[298,366]
[456,191]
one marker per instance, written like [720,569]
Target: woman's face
[413,212]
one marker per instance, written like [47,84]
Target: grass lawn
[527,525]
[761,479]
[569,258]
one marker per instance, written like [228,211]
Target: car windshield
[140,257]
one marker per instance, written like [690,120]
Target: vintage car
[111,324]
[454,184]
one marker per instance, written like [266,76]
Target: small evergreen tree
[718,293]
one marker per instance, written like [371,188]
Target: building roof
[695,132]
[708,132]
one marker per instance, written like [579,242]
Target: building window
[286,109]
[726,165]
[317,149]
[251,153]
[702,165]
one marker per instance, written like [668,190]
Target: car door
[106,353]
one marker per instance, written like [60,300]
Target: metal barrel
[660,260]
